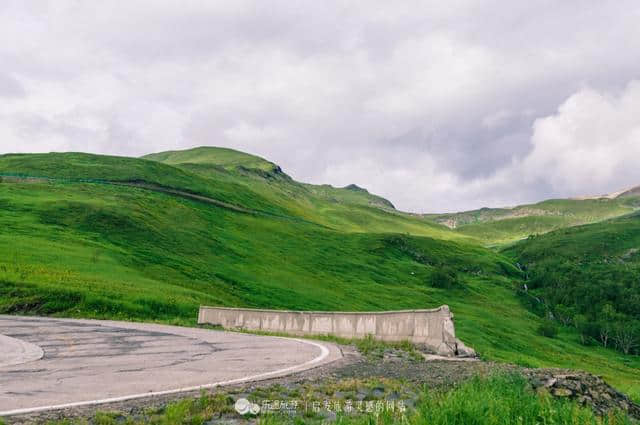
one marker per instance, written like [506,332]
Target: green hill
[227,159]
[587,277]
[129,238]
[504,225]
[351,208]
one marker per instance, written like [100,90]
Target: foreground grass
[504,400]
[493,400]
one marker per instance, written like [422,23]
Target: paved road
[89,361]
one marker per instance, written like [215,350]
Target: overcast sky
[436,105]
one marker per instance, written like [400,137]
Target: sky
[437,106]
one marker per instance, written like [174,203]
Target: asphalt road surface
[47,363]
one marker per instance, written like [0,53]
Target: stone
[585,388]
[394,395]
[339,395]
[464,351]
[562,392]
[377,392]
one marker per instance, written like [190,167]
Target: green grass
[348,209]
[224,158]
[503,399]
[89,249]
[340,209]
[368,346]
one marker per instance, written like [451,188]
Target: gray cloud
[10,87]
[435,106]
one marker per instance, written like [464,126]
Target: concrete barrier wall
[433,328]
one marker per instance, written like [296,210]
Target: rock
[339,395]
[586,389]
[394,395]
[377,392]
[464,351]
[562,392]
[361,395]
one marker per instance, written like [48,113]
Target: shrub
[548,328]
[444,277]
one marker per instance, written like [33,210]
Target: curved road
[90,362]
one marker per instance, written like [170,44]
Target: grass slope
[89,249]
[504,225]
[351,209]
[228,159]
[587,277]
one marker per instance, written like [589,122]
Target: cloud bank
[436,107]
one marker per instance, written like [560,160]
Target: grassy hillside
[101,169]
[504,225]
[79,245]
[351,209]
[587,278]
[226,159]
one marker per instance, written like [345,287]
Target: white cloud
[428,104]
[591,145]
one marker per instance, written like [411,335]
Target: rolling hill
[504,225]
[587,277]
[153,238]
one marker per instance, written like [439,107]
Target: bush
[548,328]
[444,277]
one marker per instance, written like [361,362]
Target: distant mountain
[502,225]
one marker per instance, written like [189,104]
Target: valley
[153,238]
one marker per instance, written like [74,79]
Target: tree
[605,330]
[626,336]
[564,314]
[586,328]
[605,324]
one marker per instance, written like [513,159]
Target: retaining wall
[433,328]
